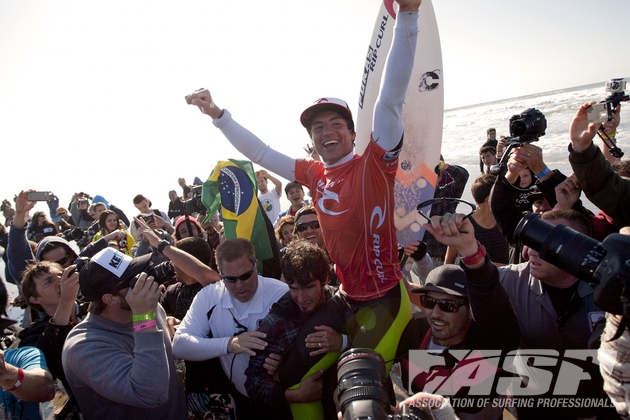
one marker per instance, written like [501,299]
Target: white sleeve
[388,124]
[191,340]
[253,148]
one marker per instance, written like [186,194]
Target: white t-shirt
[271,203]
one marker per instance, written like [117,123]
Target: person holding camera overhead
[601,184]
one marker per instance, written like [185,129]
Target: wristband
[19,381]
[162,245]
[143,317]
[612,135]
[144,325]
[476,257]
[543,173]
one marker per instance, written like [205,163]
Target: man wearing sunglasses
[222,323]
[462,307]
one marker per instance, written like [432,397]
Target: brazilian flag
[232,185]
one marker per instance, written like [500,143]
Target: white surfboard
[423,115]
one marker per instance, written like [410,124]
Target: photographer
[555,311]
[119,360]
[51,248]
[602,186]
[504,194]
[79,210]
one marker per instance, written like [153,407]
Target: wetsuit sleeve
[253,148]
[388,125]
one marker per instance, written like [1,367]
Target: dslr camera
[195,205]
[526,127]
[605,265]
[362,380]
[163,272]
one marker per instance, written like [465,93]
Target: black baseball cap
[447,278]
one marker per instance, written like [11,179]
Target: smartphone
[599,113]
[150,219]
[38,196]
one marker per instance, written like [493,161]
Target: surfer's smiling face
[331,136]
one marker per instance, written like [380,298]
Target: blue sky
[98,87]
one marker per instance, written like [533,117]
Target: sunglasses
[63,260]
[301,227]
[444,304]
[425,205]
[242,277]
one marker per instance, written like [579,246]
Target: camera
[616,85]
[163,272]
[604,265]
[528,126]
[603,111]
[195,205]
[362,385]
[73,234]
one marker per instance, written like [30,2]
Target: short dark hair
[482,186]
[304,262]
[139,199]
[486,149]
[308,209]
[576,220]
[197,247]
[29,289]
[233,249]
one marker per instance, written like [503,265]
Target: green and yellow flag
[232,185]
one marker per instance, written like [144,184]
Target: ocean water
[465,128]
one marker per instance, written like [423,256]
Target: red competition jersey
[355,203]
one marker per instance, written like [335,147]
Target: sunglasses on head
[301,227]
[63,260]
[243,277]
[444,304]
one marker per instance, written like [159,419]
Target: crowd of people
[168,315]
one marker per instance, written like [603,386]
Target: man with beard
[119,360]
[462,308]
[304,269]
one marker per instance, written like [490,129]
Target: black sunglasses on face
[243,277]
[63,260]
[444,304]
[303,226]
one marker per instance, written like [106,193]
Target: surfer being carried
[354,198]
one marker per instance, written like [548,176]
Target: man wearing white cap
[353,196]
[119,360]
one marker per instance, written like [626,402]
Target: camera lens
[362,382]
[571,251]
[521,127]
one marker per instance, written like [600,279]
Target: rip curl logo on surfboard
[429,80]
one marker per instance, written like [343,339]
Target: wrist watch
[161,246]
